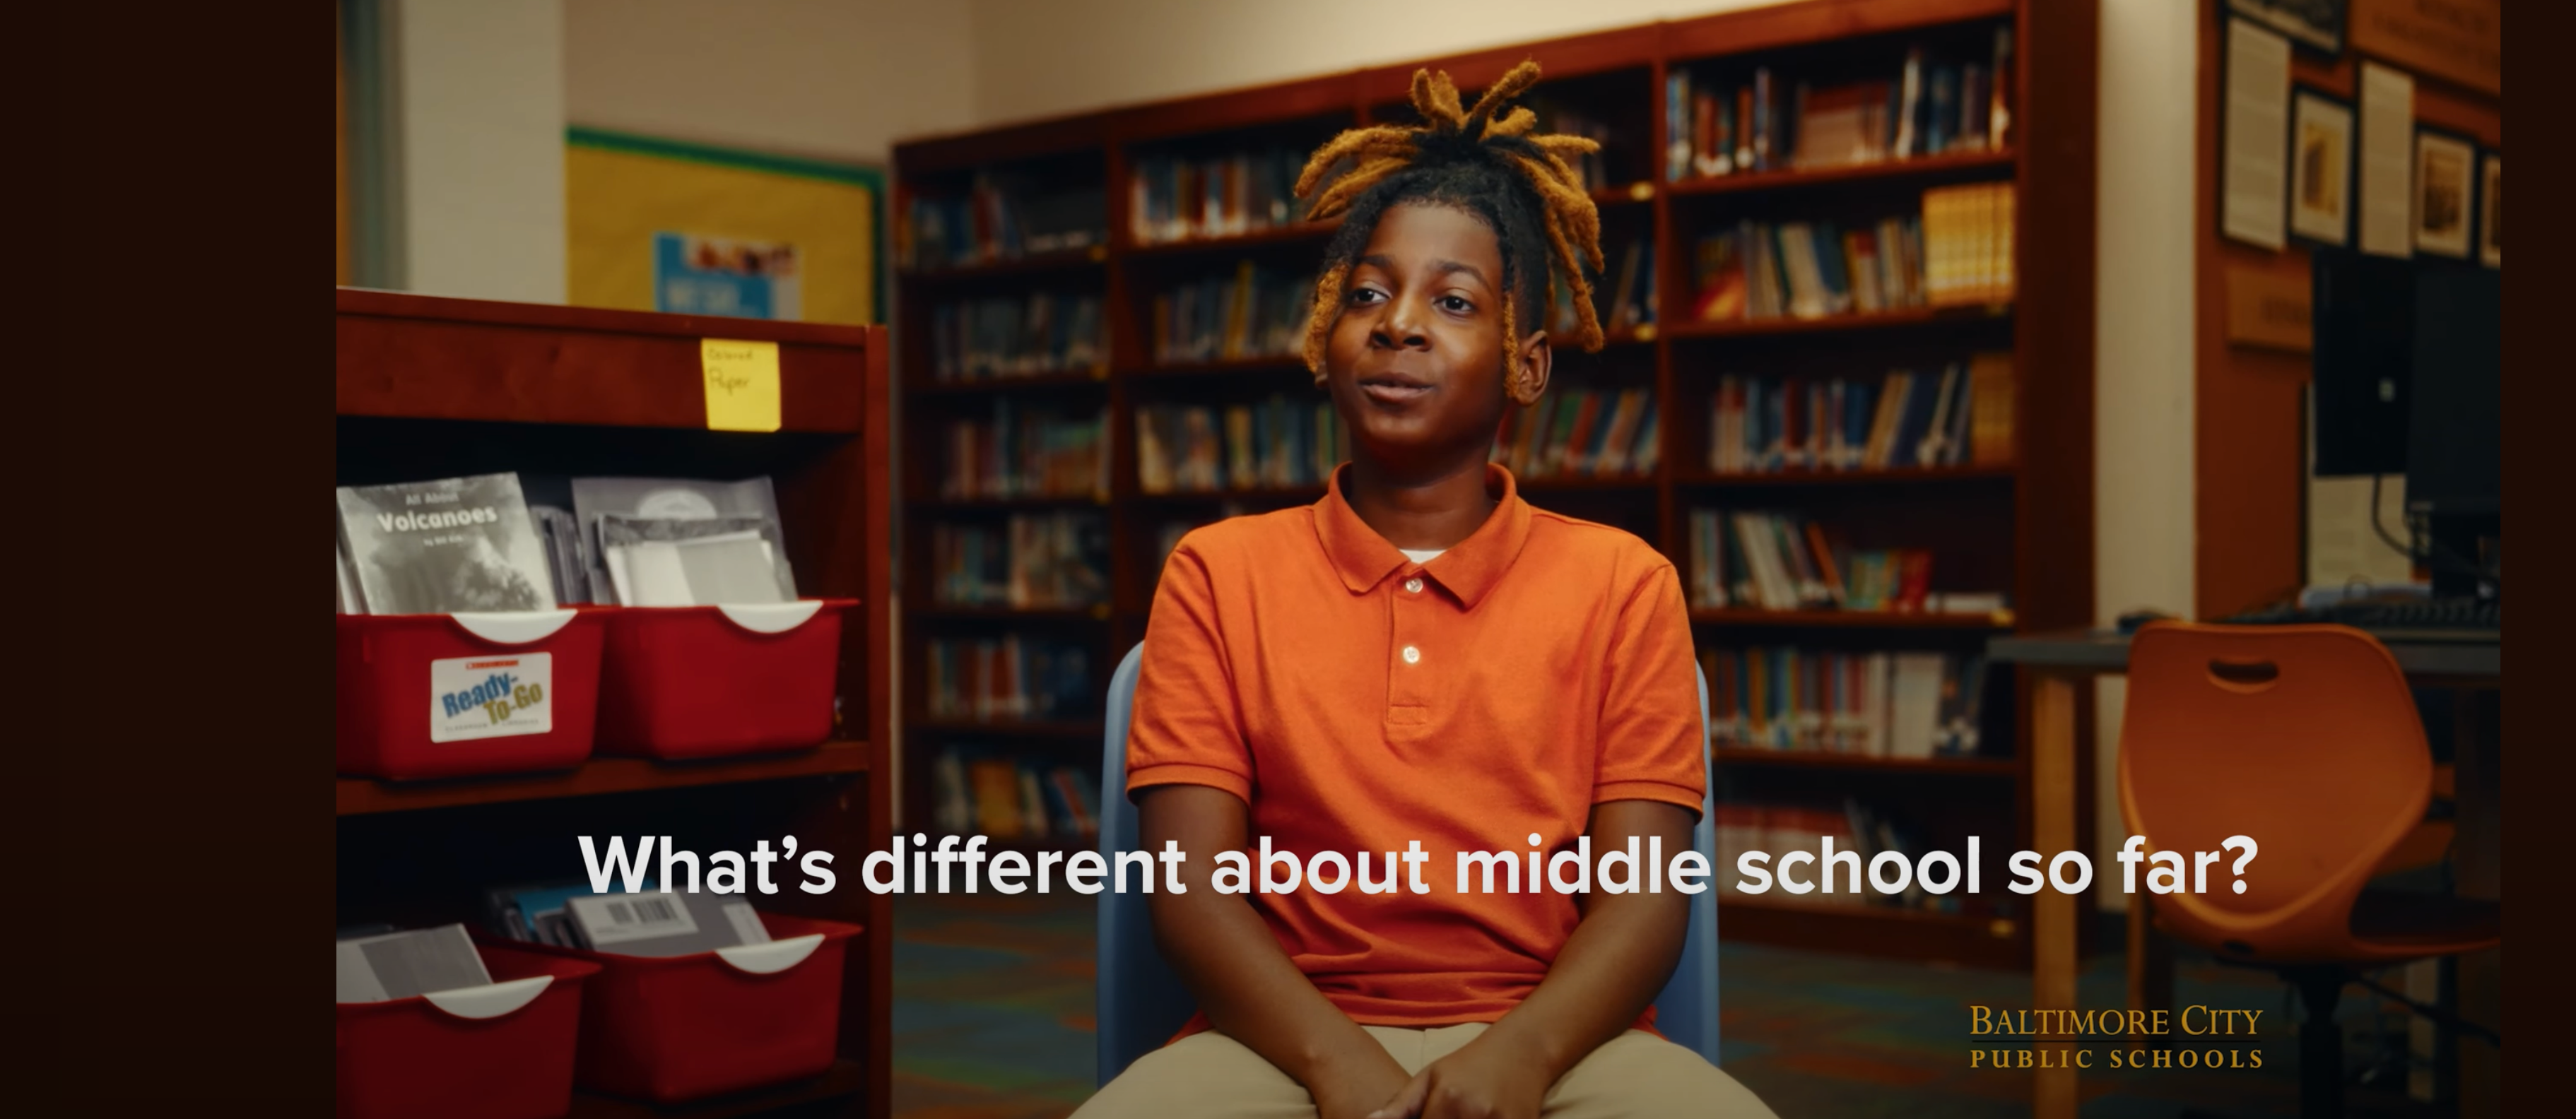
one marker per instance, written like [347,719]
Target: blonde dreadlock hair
[1480,159]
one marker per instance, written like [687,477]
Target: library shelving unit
[432,387]
[2021,527]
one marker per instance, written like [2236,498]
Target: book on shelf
[1931,105]
[1175,198]
[1862,827]
[655,924]
[1000,217]
[1581,433]
[983,790]
[535,913]
[695,561]
[445,546]
[1623,301]
[1008,678]
[1017,336]
[1274,443]
[1968,244]
[652,923]
[1592,168]
[1756,271]
[1026,452]
[398,965]
[1958,416]
[1882,704]
[1031,561]
[561,533]
[1782,562]
[676,542]
[1243,313]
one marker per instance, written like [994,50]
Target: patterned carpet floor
[993,1020]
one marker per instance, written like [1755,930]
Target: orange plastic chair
[2305,739]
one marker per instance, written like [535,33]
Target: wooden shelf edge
[599,776]
[1876,320]
[378,303]
[845,1078]
[936,612]
[1276,363]
[1819,759]
[1009,266]
[1284,493]
[982,385]
[1009,728]
[1905,475]
[1275,235]
[997,504]
[1853,619]
[1889,169]
[1581,482]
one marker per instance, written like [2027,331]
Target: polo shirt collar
[1469,568]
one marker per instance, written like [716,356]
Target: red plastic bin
[709,681]
[496,1052]
[461,695]
[679,1028]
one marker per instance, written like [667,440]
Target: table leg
[2053,933]
[2151,975]
[2478,867]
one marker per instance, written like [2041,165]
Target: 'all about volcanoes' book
[450,546]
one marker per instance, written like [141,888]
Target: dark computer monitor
[2455,427]
[2363,326]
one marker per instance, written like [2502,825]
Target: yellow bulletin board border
[870,178]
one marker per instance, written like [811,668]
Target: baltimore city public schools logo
[2196,1037]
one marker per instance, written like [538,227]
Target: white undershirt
[1421,555]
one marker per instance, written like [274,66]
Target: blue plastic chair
[1142,1003]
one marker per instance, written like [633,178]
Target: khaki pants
[1635,1075]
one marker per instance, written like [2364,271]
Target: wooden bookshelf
[2023,528]
[1818,759]
[1955,165]
[1850,619]
[846,1082]
[428,388]
[597,777]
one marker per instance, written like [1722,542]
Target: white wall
[1044,57]
[477,103]
[2142,358]
[832,79]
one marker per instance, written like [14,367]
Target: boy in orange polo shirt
[1422,656]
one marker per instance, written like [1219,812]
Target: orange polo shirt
[1357,700]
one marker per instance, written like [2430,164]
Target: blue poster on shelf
[694,275]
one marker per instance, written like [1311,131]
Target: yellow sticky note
[742,384]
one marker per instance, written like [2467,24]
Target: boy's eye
[1456,304]
[1362,296]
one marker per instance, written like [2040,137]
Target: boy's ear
[1529,374]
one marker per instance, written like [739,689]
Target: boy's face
[1415,363]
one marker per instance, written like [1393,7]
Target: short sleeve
[1651,745]
[1186,728]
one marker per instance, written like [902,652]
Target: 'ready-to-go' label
[491,697]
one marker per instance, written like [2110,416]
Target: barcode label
[619,918]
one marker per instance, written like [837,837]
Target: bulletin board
[654,224]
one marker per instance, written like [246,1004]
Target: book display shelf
[432,388]
[1098,316]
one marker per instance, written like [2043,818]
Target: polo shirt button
[1413,586]
[1412,655]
